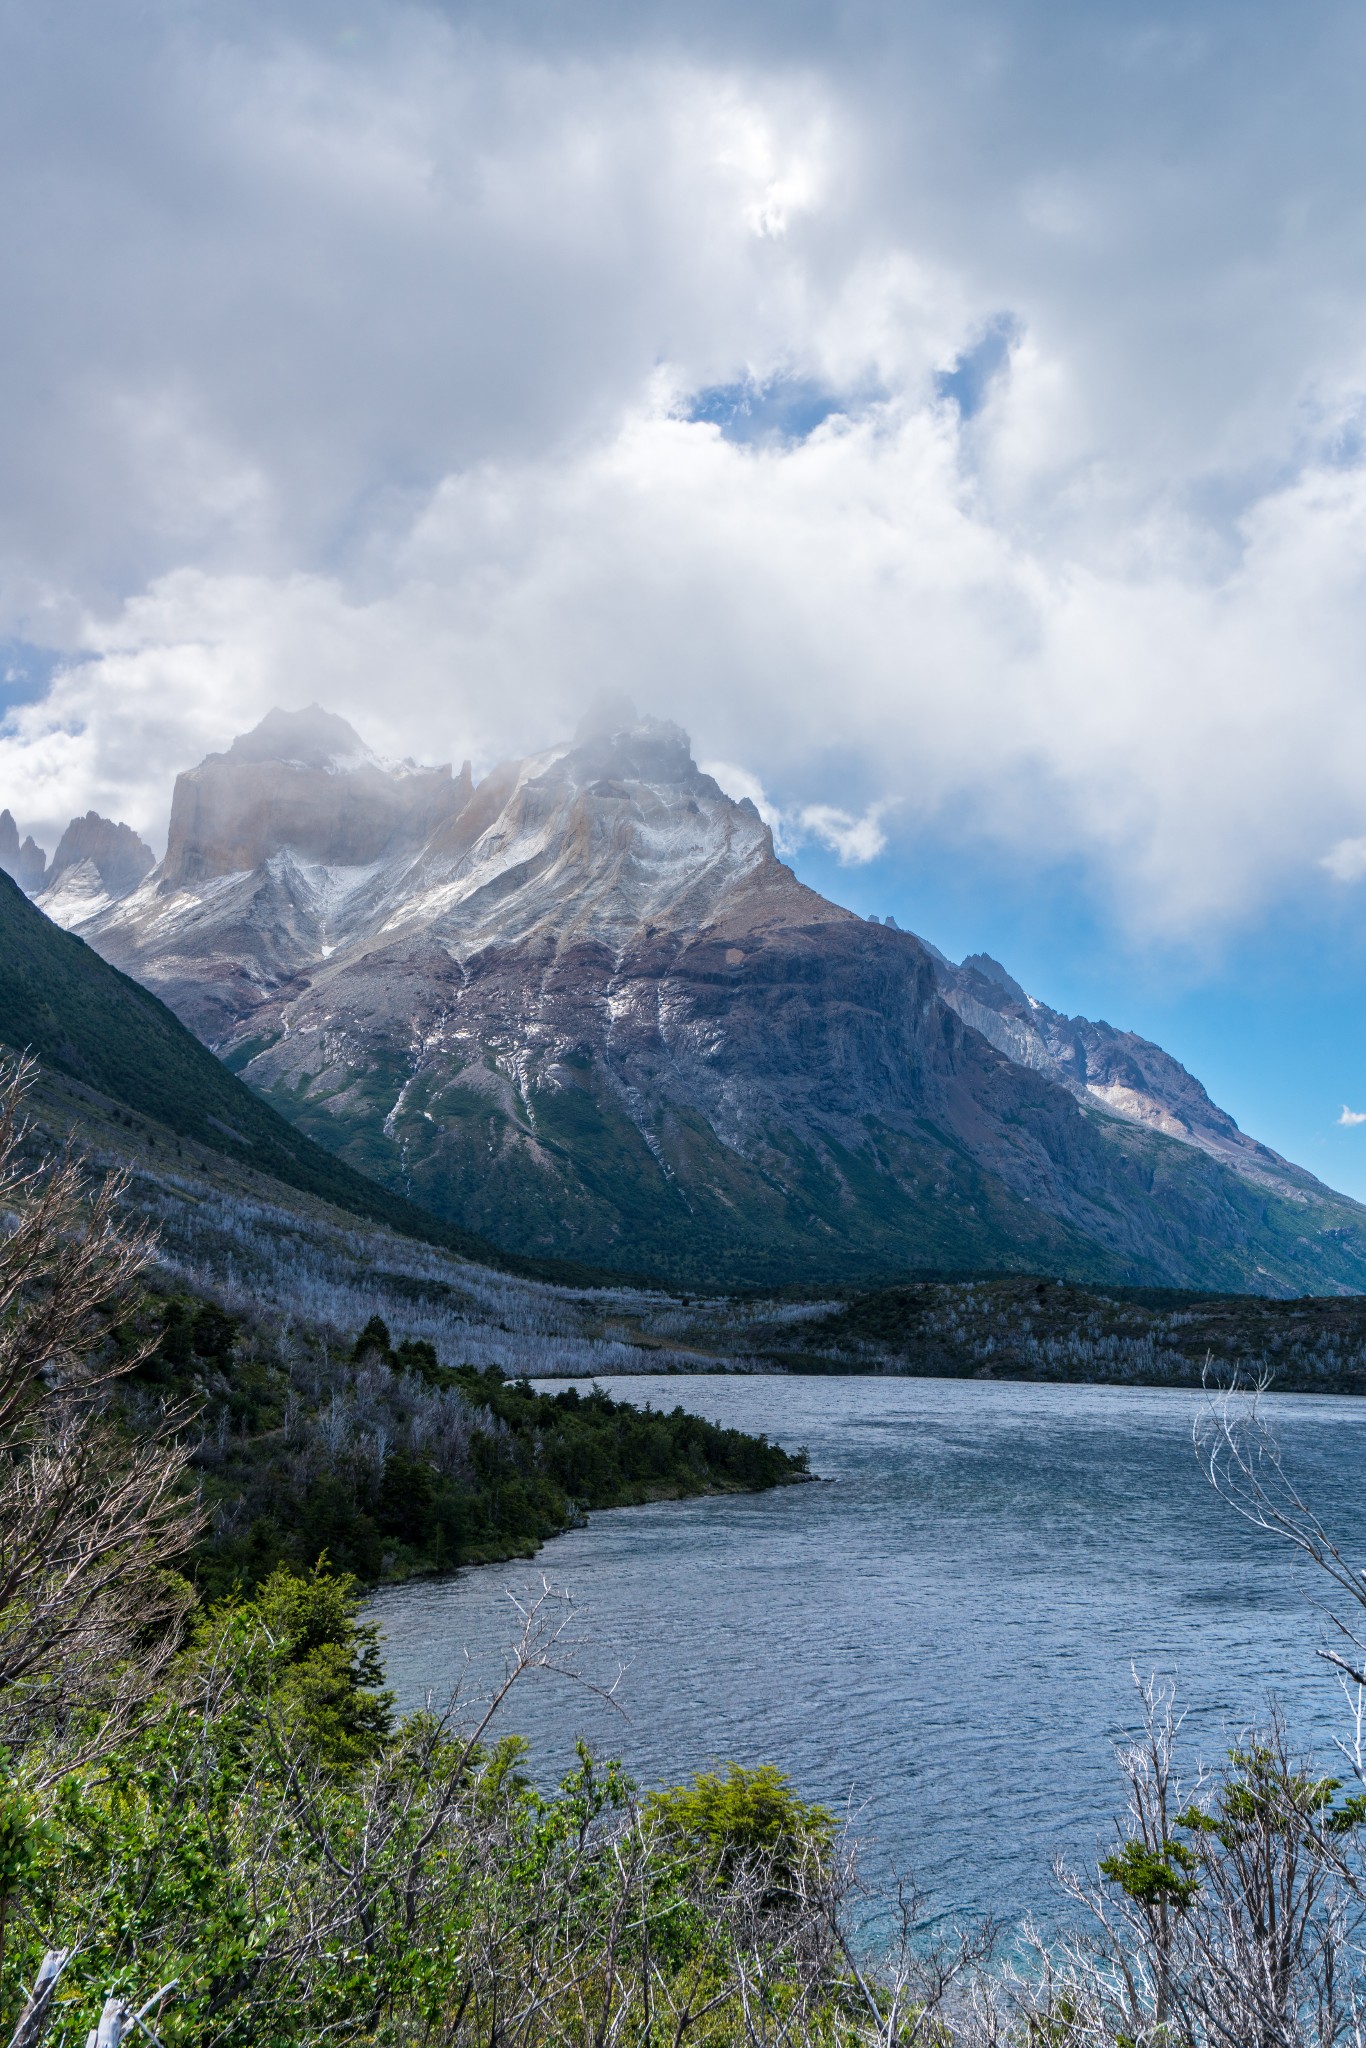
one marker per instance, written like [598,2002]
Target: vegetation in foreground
[213,1827]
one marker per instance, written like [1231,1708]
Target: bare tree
[1224,1919]
[91,1514]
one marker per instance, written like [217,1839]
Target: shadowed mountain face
[583,1009]
[1113,1070]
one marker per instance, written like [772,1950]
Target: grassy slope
[1230,1229]
[82,1018]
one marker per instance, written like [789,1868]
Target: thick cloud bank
[955,420]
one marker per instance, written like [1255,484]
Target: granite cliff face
[305,781]
[24,864]
[582,1008]
[95,864]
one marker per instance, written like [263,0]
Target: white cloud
[739,783]
[1352,1116]
[357,370]
[855,840]
[1347,861]
[928,661]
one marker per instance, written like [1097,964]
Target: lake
[938,1636]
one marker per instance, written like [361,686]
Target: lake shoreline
[961,1603]
[797,1366]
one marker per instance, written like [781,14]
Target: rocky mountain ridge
[583,1008]
[96,863]
[26,864]
[111,1040]
[1116,1071]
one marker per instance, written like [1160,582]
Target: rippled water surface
[940,1632]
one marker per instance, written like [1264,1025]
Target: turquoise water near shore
[938,1636]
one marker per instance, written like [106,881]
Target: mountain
[303,780]
[1113,1070]
[584,1010]
[25,864]
[96,863]
[113,1038]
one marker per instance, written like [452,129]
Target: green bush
[747,1819]
[301,1868]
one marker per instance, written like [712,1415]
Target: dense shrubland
[304,1870]
[1011,1327]
[210,1815]
[389,1463]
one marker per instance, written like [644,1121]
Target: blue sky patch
[25,672]
[783,409]
[970,376]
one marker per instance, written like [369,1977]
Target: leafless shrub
[90,1520]
[1223,1918]
[1244,1463]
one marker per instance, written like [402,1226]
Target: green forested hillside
[474,1466]
[1015,1326]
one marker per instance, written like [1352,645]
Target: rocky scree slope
[585,1010]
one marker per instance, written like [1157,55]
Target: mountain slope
[585,1010]
[1113,1070]
[82,1018]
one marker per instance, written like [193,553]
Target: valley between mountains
[581,1010]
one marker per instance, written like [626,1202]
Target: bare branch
[91,1519]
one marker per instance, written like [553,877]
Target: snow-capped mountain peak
[584,1008]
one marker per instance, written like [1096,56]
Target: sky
[955,417]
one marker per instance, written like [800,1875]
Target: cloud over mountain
[955,420]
